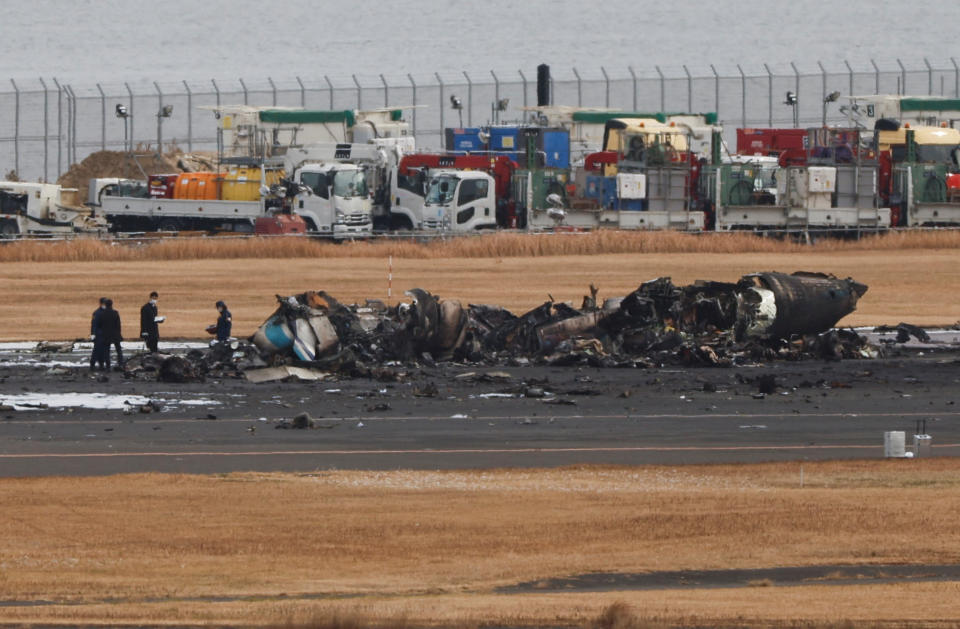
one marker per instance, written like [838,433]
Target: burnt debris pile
[764,316]
[221,360]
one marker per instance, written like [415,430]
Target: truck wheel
[169,225]
[8,229]
[399,222]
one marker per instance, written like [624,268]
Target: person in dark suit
[149,324]
[224,322]
[110,332]
[95,358]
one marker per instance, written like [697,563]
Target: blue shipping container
[466,139]
[610,196]
[505,139]
[556,144]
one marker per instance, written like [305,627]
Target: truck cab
[463,200]
[335,199]
[408,192]
[334,194]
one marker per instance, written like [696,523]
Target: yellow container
[243,184]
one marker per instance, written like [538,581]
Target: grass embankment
[912,276]
[486,246]
[431,546]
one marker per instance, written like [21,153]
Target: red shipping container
[161,186]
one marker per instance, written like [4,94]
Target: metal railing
[47,125]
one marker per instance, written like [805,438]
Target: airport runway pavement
[496,417]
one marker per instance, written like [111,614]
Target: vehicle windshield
[765,177]
[927,153]
[316,182]
[441,190]
[349,183]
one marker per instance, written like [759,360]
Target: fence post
[73,97]
[216,91]
[633,76]
[59,125]
[303,93]
[579,92]
[189,117]
[876,77]
[469,99]
[440,82]
[743,97]
[689,89]
[386,92]
[273,88]
[246,94]
[46,129]
[796,90]
[75,126]
[413,84]
[359,92]
[929,76]
[496,90]
[956,78]
[823,81]
[72,125]
[159,119]
[130,115]
[850,74]
[663,91]
[103,118]
[716,90]
[606,79]
[16,126]
[329,85]
[523,79]
[769,95]
[66,94]
[903,77]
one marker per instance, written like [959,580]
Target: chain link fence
[47,125]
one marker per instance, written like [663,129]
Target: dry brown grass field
[50,289]
[431,547]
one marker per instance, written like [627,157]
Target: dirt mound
[116,164]
[137,165]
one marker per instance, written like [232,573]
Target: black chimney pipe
[543,85]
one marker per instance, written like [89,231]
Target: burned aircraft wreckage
[764,316]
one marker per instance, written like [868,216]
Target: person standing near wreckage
[109,330]
[149,323]
[96,358]
[224,322]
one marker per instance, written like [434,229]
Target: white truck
[460,201]
[117,202]
[334,187]
[44,209]
[326,184]
[478,181]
